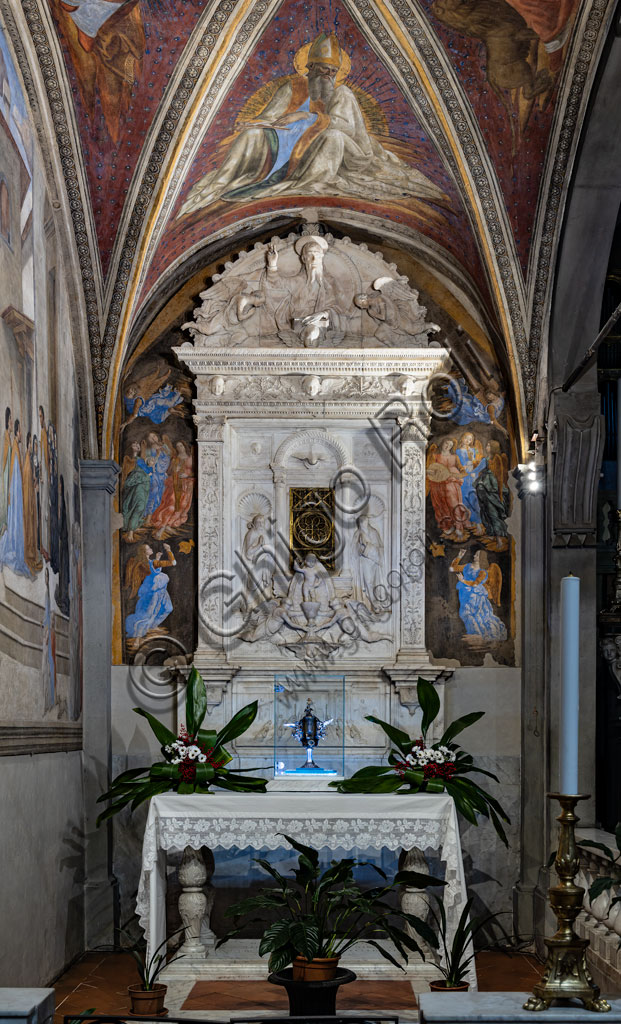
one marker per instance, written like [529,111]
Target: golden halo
[300,63]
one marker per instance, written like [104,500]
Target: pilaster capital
[99,475]
[210,428]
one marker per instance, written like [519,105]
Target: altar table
[333,820]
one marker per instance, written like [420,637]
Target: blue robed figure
[12,540]
[145,578]
[478,585]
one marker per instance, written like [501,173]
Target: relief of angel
[396,318]
[479,585]
[445,474]
[150,397]
[311,134]
[145,580]
[493,496]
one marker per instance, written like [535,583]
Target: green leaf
[599,886]
[195,702]
[618,836]
[305,938]
[164,736]
[185,788]
[275,937]
[429,701]
[204,773]
[593,846]
[240,783]
[239,724]
[207,739]
[280,959]
[400,738]
[164,771]
[384,952]
[372,771]
[459,725]
[112,810]
[311,854]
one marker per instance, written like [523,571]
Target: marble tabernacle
[312,358]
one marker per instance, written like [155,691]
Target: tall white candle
[618,442]
[570,683]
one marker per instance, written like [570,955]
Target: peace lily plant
[193,761]
[417,766]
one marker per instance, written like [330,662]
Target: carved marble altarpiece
[311,357]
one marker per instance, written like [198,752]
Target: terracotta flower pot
[319,969]
[147,1001]
[441,986]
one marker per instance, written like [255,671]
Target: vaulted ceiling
[477,103]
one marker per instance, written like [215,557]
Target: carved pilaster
[412,562]
[577,444]
[210,539]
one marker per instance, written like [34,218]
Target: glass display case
[309,724]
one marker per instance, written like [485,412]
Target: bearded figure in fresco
[107,44]
[445,474]
[310,134]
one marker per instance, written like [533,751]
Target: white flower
[182,752]
[168,750]
[410,759]
[192,751]
[176,760]
[201,758]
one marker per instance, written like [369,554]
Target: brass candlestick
[566,975]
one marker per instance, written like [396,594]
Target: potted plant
[458,954]
[147,998]
[320,915]
[415,766]
[193,761]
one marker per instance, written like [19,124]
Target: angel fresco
[482,406]
[12,551]
[176,502]
[310,134]
[470,454]
[156,454]
[517,69]
[445,474]
[493,495]
[107,43]
[151,397]
[479,586]
[145,580]
[135,487]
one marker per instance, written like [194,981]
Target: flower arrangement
[194,761]
[414,766]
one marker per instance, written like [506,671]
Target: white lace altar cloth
[332,820]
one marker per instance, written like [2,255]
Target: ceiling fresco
[245,166]
[452,122]
[509,57]
[120,57]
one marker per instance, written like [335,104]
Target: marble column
[528,896]
[98,479]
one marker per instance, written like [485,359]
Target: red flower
[439,771]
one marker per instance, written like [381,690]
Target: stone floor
[98,982]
